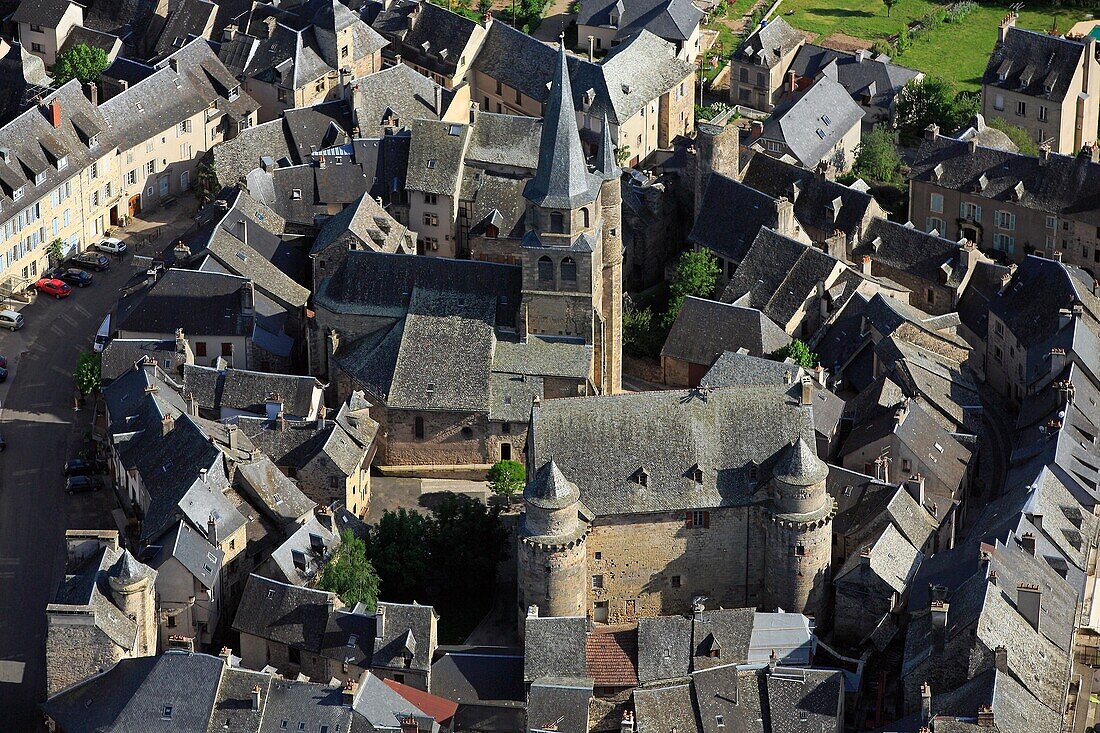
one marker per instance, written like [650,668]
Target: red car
[54,287]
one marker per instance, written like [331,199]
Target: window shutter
[962,210]
[706,520]
[687,519]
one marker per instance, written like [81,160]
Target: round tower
[552,559]
[717,150]
[611,296]
[799,531]
[132,589]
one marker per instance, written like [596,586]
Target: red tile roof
[611,658]
[439,708]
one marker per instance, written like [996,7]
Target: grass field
[957,52]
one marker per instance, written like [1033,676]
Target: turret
[553,564]
[799,526]
[611,307]
[132,589]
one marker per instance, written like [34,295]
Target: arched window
[569,270]
[557,222]
[584,218]
[546,269]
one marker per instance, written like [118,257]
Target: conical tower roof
[606,167]
[551,489]
[562,180]
[801,466]
[128,570]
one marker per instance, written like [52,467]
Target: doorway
[134,205]
[164,181]
[599,613]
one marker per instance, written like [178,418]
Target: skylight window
[821,133]
[431,164]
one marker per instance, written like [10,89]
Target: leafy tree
[506,477]
[350,574]
[889,6]
[484,6]
[466,542]
[798,352]
[208,181]
[622,154]
[55,250]
[87,374]
[929,101]
[696,274]
[400,555]
[1017,135]
[877,157]
[81,62]
[642,336]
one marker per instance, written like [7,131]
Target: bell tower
[572,249]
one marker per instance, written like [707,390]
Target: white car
[111,246]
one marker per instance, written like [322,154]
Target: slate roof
[192,550]
[546,356]
[777,276]
[909,250]
[893,559]
[188,19]
[201,303]
[973,306]
[120,355]
[554,647]
[364,224]
[22,79]
[275,493]
[43,12]
[305,704]
[288,614]
[380,706]
[435,157]
[559,704]
[1034,63]
[398,92]
[1012,705]
[345,440]
[437,40]
[1031,319]
[812,124]
[240,258]
[664,708]
[470,675]
[664,648]
[494,200]
[732,215]
[942,383]
[87,587]
[666,434]
[248,391]
[815,197]
[875,79]
[674,20]
[561,179]
[769,43]
[733,369]
[1062,185]
[505,140]
[704,329]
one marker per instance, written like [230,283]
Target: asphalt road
[42,431]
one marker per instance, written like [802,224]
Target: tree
[622,154]
[466,541]
[696,274]
[1020,137]
[930,101]
[81,62]
[642,336]
[877,157]
[87,374]
[208,181]
[350,574]
[798,352]
[506,477]
[889,6]
[55,251]
[399,553]
[484,6]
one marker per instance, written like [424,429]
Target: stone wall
[552,578]
[796,574]
[656,222]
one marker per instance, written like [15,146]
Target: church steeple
[606,167]
[562,180]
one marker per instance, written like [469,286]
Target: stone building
[1045,84]
[103,611]
[712,492]
[759,65]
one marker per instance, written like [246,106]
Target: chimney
[591,49]
[820,375]
[231,436]
[280,422]
[791,82]
[1029,602]
[1007,22]
[992,577]
[226,655]
[807,395]
[438,100]
[865,264]
[93,94]
[1000,659]
[914,485]
[274,406]
[773,661]
[532,612]
[321,417]
[627,724]
[348,694]
[1028,543]
[925,702]
[212,530]
[408,724]
[380,620]
[1057,361]
[54,113]
[985,716]
[939,625]
[1044,153]
[166,424]
[192,404]
[865,555]
[248,299]
[972,145]
[932,132]
[256,697]
[1057,257]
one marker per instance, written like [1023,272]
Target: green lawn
[957,52]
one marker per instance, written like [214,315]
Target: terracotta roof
[611,658]
[439,708]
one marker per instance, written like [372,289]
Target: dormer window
[643,478]
[62,162]
[93,140]
[697,475]
[233,93]
[39,178]
[17,194]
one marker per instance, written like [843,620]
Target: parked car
[3,444]
[4,362]
[56,288]
[72,275]
[12,320]
[3,374]
[111,246]
[84,467]
[92,261]
[83,484]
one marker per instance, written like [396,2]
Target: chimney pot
[1029,603]
[55,113]
[1028,542]
[256,697]
[807,396]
